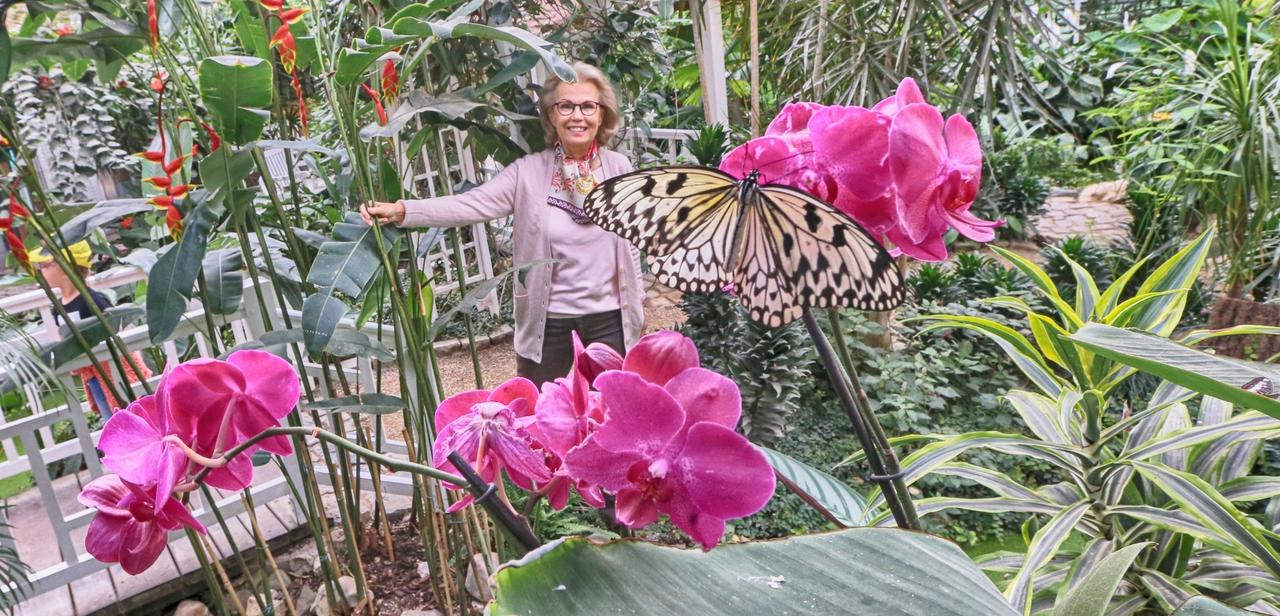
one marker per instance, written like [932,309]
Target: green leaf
[1200,335]
[1251,488]
[1246,423]
[237,90]
[1042,549]
[101,213]
[1204,606]
[833,498]
[1210,375]
[520,64]
[1160,22]
[1179,272]
[346,264]
[261,458]
[172,278]
[1199,499]
[223,280]
[6,52]
[1086,289]
[877,570]
[1070,318]
[367,404]
[1040,413]
[1111,296]
[1014,344]
[1095,591]
[94,333]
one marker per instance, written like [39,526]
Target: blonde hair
[608,100]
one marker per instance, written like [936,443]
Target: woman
[594,287]
[77,307]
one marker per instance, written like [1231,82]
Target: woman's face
[578,129]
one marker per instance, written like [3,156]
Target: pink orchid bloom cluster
[159,442]
[898,168]
[654,429]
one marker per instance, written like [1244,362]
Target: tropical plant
[1144,475]
[1202,139]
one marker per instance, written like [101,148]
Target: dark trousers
[557,344]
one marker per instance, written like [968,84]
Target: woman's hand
[383,213]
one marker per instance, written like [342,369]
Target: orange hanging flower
[153,23]
[292,16]
[64,30]
[272,5]
[155,156]
[174,165]
[302,102]
[283,39]
[159,182]
[126,222]
[159,80]
[162,201]
[16,209]
[179,191]
[377,104]
[173,218]
[390,81]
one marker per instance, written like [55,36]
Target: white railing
[657,145]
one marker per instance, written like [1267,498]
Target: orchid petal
[659,356]
[641,416]
[727,477]
[269,380]
[706,396]
[458,405]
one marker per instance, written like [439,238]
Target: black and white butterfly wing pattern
[794,250]
[832,261]
[682,217]
[1262,386]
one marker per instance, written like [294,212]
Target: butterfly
[781,248]
[1262,386]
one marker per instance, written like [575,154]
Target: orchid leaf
[367,404]
[833,498]
[575,576]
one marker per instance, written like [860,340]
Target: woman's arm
[493,199]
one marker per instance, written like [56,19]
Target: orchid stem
[500,511]
[893,499]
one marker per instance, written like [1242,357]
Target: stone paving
[1096,211]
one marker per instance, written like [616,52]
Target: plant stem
[893,499]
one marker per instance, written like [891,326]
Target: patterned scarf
[572,181]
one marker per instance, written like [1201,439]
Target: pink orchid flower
[896,168]
[129,528]
[568,411]
[491,431]
[672,449]
[660,356]
[227,402]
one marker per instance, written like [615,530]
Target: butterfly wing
[799,251]
[683,217]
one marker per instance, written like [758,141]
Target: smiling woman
[593,287]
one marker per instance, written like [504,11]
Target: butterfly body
[784,250]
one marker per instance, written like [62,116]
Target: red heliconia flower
[159,182]
[174,165]
[272,5]
[126,222]
[179,191]
[162,201]
[302,102]
[214,141]
[153,23]
[377,104]
[155,156]
[159,80]
[16,208]
[64,30]
[291,16]
[390,81]
[16,247]
[173,218]
[283,39]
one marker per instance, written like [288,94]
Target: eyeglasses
[565,108]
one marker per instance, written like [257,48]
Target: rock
[305,561]
[251,607]
[421,613]
[477,582]
[191,607]
[320,605]
[424,570]
[305,598]
[348,586]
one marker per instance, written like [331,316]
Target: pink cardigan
[521,189]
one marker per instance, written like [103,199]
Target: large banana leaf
[856,571]
[345,264]
[237,90]
[1211,375]
[173,277]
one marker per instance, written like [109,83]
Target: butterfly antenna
[783,159]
